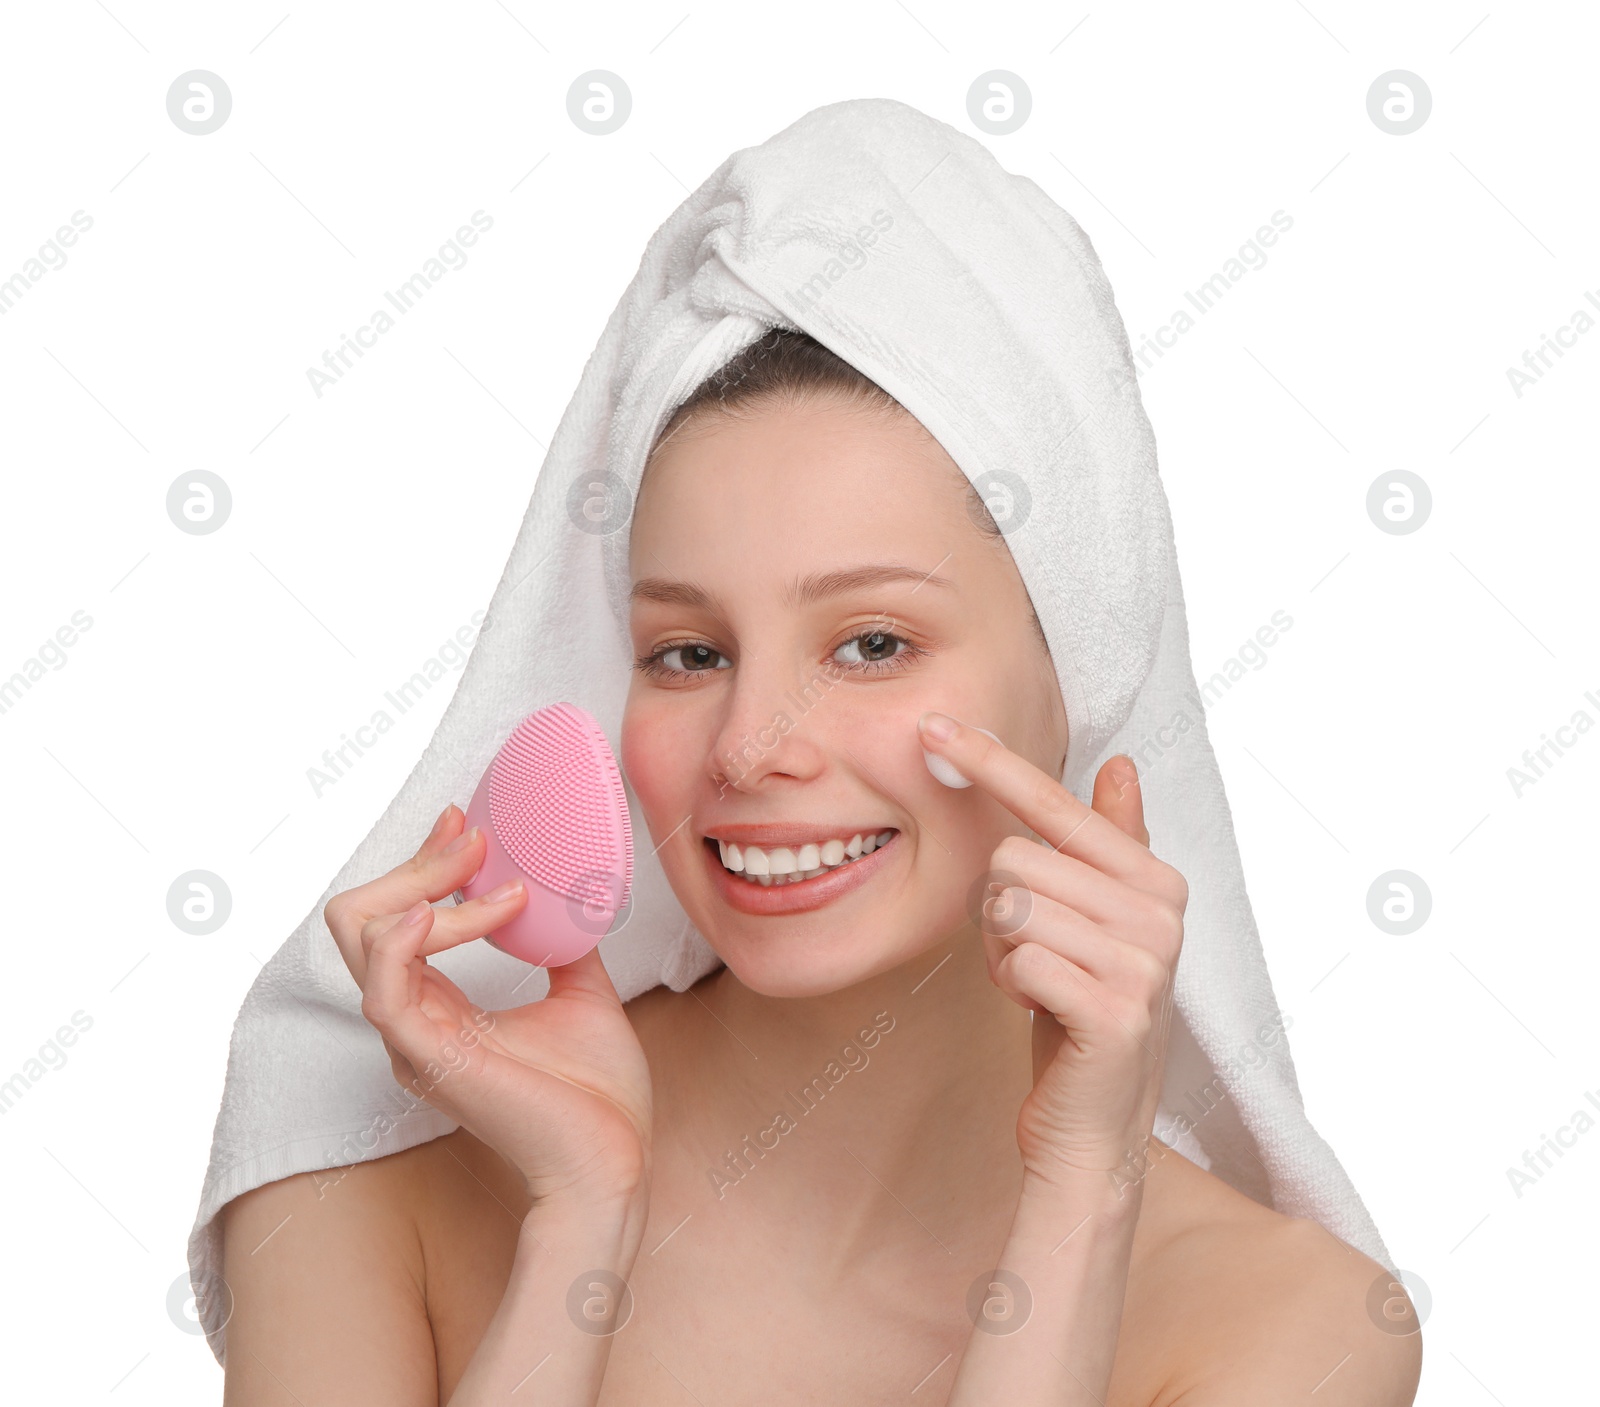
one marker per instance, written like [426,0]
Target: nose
[768,728]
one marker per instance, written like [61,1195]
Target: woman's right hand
[559,1087]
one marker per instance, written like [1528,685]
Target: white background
[368,526]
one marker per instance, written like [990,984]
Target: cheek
[654,756]
[955,830]
[957,823]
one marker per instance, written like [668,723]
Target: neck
[885,1112]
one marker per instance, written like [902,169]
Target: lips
[802,895]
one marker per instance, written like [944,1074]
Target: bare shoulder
[370,1283]
[325,1272]
[1255,1306]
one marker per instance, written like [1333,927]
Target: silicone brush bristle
[558,804]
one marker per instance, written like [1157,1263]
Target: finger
[1047,984]
[402,1069]
[1115,963]
[349,910]
[1037,799]
[458,923]
[433,872]
[1148,911]
[1066,879]
[996,949]
[586,975]
[448,858]
[1090,1011]
[394,980]
[1117,797]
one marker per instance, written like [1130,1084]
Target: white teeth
[791,864]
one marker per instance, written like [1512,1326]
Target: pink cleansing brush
[554,815]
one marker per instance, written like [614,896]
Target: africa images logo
[451,255]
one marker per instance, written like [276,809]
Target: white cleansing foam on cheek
[941,768]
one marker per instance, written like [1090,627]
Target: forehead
[783,492]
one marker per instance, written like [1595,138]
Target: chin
[793,965]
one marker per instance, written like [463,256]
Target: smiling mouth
[789,856]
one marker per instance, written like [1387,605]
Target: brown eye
[876,651]
[693,658]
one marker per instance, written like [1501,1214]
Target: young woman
[959,1199]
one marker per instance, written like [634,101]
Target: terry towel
[970,296]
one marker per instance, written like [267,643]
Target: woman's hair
[782,366]
[788,368]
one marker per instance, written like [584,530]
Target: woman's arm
[1084,930]
[326,1276]
[329,1306]
[1046,1335]
[566,1297]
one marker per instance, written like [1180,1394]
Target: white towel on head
[978,303]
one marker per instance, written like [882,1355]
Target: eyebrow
[803,592]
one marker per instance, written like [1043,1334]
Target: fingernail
[938,726]
[505,891]
[462,841]
[944,770]
[438,825]
[415,913]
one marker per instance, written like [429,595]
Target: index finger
[1037,799]
[433,873]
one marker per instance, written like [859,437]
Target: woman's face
[784,684]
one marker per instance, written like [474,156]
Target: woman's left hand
[1084,931]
